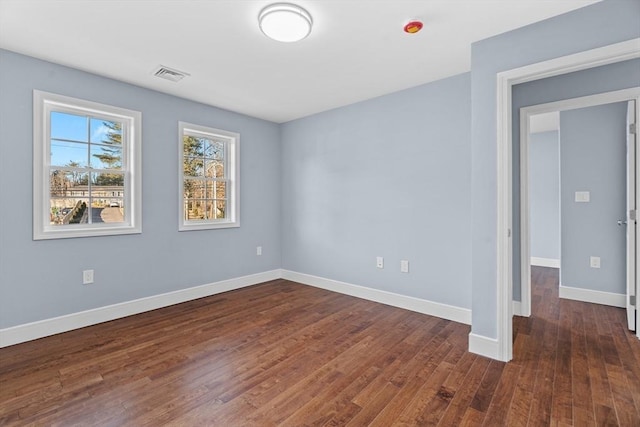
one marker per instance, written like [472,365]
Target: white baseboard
[42,328]
[596,297]
[517,308]
[545,262]
[56,325]
[484,346]
[449,312]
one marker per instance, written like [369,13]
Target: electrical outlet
[594,262]
[259,250]
[87,277]
[404,266]
[379,262]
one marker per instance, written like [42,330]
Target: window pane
[69,154]
[109,182]
[214,169]
[220,190]
[194,209]
[192,146]
[63,184]
[209,189]
[194,189]
[106,156]
[107,195]
[208,210]
[106,132]
[221,209]
[69,126]
[204,189]
[193,166]
[105,209]
[68,210]
[214,149]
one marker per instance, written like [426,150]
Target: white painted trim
[56,325]
[525,234]
[517,309]
[31,331]
[544,262]
[582,101]
[595,297]
[622,51]
[449,312]
[232,173]
[43,104]
[484,346]
[525,141]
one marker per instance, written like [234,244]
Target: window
[86,165]
[208,178]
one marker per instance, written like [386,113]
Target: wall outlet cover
[404,266]
[87,277]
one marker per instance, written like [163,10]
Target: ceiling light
[285,22]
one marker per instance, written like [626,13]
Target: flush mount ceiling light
[285,22]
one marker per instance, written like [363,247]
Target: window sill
[193,226]
[53,233]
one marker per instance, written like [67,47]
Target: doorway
[595,199]
[502,347]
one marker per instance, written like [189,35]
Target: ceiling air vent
[169,73]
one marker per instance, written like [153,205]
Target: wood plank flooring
[282,353]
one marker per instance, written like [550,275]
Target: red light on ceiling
[413,27]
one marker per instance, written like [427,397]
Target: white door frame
[525,114]
[617,52]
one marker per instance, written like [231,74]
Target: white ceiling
[356,51]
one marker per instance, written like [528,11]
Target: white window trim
[43,104]
[232,160]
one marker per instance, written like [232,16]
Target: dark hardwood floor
[281,353]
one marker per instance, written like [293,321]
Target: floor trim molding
[484,346]
[42,328]
[444,311]
[596,297]
[545,262]
[517,308]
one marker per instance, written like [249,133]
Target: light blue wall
[620,75]
[544,195]
[340,207]
[386,177]
[42,279]
[598,25]
[593,158]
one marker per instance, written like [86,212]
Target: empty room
[319,212]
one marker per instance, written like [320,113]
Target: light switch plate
[583,196]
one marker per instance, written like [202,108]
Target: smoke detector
[170,74]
